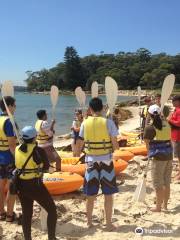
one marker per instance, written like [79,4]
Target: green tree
[73,71]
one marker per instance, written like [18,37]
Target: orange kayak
[137,150]
[69,165]
[62,182]
[123,154]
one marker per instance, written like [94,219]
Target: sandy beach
[127,215]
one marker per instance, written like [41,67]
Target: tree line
[129,69]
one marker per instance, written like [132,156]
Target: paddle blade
[94,89]
[83,98]
[54,95]
[7,89]
[80,96]
[167,88]
[139,94]
[140,192]
[78,91]
[111,89]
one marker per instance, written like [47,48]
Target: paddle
[111,89]
[54,93]
[140,192]
[139,102]
[54,98]
[167,88]
[94,90]
[80,96]
[8,90]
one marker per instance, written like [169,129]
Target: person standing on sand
[98,135]
[75,131]
[7,149]
[30,185]
[45,137]
[174,121]
[158,143]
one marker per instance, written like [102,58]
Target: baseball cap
[29,132]
[154,109]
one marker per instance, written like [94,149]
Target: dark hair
[116,111]
[96,104]
[78,111]
[9,101]
[157,121]
[23,146]
[41,113]
[147,99]
[176,98]
[158,95]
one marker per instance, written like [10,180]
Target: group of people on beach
[96,136]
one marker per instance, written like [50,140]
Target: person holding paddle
[7,149]
[45,137]
[158,142]
[98,135]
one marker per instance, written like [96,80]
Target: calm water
[29,104]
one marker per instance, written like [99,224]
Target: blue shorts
[6,171]
[100,174]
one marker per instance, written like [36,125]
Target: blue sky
[35,33]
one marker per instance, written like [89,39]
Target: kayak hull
[71,165]
[62,182]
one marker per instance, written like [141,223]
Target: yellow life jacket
[32,170]
[42,137]
[165,133]
[4,146]
[96,136]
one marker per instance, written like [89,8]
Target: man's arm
[48,128]
[171,119]
[115,144]
[147,144]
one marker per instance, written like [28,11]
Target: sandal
[3,216]
[11,218]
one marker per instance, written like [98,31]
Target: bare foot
[110,227]
[155,210]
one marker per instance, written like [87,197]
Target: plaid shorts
[100,174]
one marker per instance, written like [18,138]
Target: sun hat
[29,132]
[154,109]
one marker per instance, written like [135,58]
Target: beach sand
[127,215]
